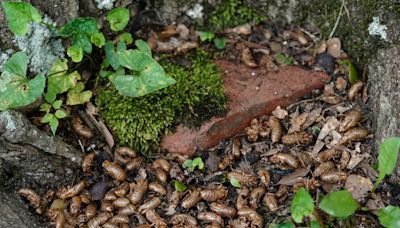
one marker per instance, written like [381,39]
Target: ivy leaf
[75,53]
[77,96]
[80,25]
[60,114]
[339,204]
[98,39]
[206,36]
[111,55]
[302,205]
[198,162]
[126,37]
[235,182]
[82,41]
[16,90]
[19,14]
[118,18]
[179,186]
[59,81]
[220,43]
[387,157]
[389,216]
[151,75]
[143,47]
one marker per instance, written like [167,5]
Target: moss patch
[232,13]
[139,122]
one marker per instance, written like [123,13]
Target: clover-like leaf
[19,14]
[16,90]
[302,205]
[389,216]
[59,81]
[126,37]
[98,39]
[387,157]
[339,204]
[80,25]
[75,53]
[179,186]
[76,95]
[150,75]
[118,18]
[235,182]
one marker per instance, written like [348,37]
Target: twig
[338,19]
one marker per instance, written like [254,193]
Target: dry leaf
[280,113]
[311,118]
[297,122]
[294,177]
[331,124]
[358,186]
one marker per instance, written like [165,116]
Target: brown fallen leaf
[358,186]
[331,124]
[375,203]
[311,118]
[91,111]
[212,162]
[297,122]
[294,177]
[280,113]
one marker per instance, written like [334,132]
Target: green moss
[139,122]
[353,26]
[232,13]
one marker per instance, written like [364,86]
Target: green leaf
[302,205]
[45,107]
[60,114]
[18,15]
[118,18]
[198,162]
[206,36]
[389,216]
[75,53]
[314,224]
[47,117]
[387,158]
[126,37]
[111,55]
[84,26]
[57,104]
[143,47]
[82,41]
[59,81]
[282,59]
[339,204]
[179,186]
[235,182]
[16,90]
[98,39]
[53,125]
[353,74]
[220,43]
[187,164]
[286,224]
[77,96]
[150,75]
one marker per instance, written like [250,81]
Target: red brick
[251,93]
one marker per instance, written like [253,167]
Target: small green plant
[389,216]
[53,114]
[353,74]
[235,182]
[339,204]
[302,205]
[118,18]
[180,187]
[190,165]
[219,42]
[19,14]
[283,59]
[387,158]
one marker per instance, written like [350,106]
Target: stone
[251,93]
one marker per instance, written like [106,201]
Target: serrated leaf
[53,125]
[143,47]
[339,204]
[77,96]
[126,37]
[57,104]
[75,53]
[82,41]
[79,25]
[302,205]
[118,18]
[16,90]
[387,158]
[98,39]
[235,182]
[220,43]
[61,82]
[206,36]
[60,114]
[151,76]
[389,216]
[198,162]
[179,186]
[19,14]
